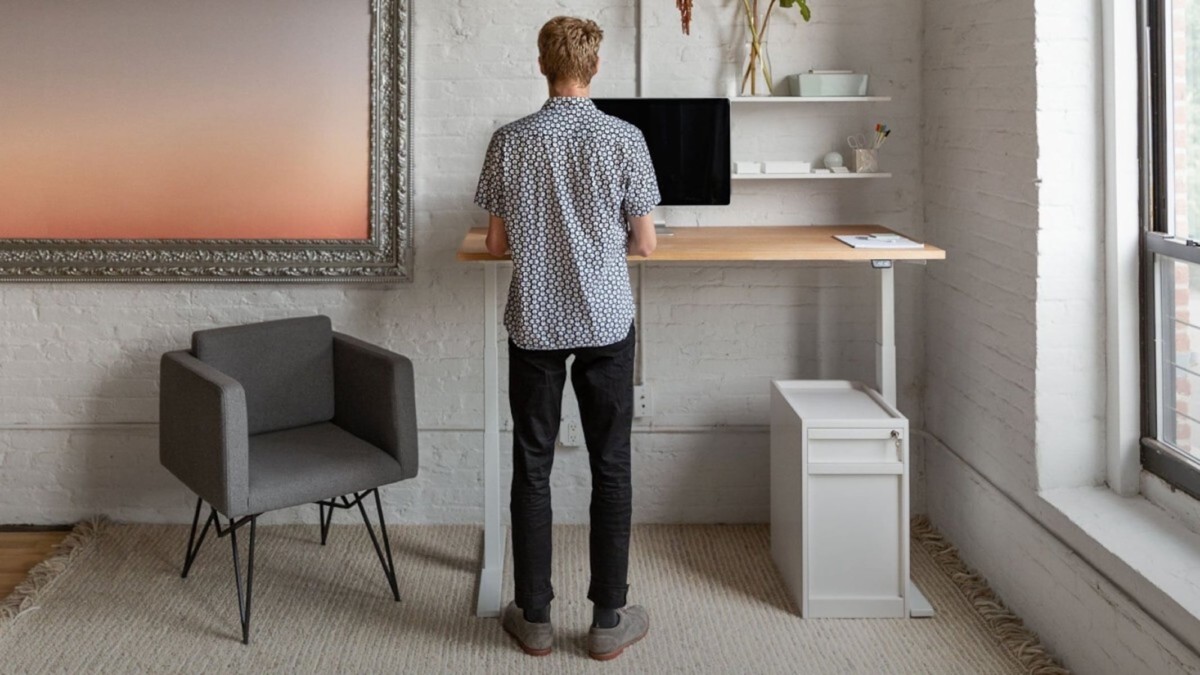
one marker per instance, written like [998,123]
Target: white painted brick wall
[1086,621]
[981,205]
[1014,344]
[1071,377]
[78,363]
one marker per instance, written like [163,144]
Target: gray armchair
[277,414]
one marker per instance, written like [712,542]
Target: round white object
[834,160]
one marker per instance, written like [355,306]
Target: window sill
[1176,503]
[1141,548]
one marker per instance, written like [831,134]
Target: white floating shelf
[809,99]
[809,176]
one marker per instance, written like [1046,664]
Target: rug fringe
[25,596]
[1006,627]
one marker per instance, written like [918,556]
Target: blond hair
[570,49]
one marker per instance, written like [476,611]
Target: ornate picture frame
[385,255]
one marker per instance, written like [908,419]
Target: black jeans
[603,382]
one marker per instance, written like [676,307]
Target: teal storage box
[828,84]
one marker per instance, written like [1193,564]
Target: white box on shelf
[817,84]
[787,167]
[839,499]
[747,167]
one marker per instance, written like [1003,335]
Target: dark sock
[604,618]
[537,615]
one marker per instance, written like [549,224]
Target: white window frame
[1122,228]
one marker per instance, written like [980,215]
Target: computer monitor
[689,145]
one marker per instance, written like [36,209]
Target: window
[1170,148]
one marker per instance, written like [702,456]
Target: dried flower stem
[685,14]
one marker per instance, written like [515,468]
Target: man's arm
[491,196]
[641,196]
[642,238]
[497,237]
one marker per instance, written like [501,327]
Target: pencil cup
[866,160]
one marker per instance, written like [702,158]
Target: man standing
[569,190]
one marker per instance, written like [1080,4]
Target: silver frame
[385,255]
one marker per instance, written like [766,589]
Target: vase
[754,75]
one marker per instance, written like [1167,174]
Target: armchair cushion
[285,367]
[310,463]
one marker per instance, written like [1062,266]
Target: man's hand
[642,239]
[497,237]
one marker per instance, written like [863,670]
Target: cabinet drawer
[854,445]
[856,546]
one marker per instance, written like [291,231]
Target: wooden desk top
[747,244]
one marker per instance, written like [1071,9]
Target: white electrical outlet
[643,406]
[570,433]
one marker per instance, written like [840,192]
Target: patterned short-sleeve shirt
[563,180]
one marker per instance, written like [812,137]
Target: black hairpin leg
[384,553]
[193,543]
[231,531]
[326,520]
[389,568]
[243,600]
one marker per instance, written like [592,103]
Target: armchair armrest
[374,398]
[203,437]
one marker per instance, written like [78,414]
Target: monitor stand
[660,227]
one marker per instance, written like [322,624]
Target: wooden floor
[20,551]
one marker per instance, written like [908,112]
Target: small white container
[839,499]
[747,167]
[828,84]
[787,167]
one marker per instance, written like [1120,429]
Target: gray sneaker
[608,643]
[534,638]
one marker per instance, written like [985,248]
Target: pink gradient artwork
[184,119]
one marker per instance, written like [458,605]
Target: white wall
[1014,344]
[980,165]
[1087,621]
[78,362]
[1071,377]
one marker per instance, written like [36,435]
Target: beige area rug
[114,602]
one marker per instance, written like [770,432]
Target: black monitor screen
[689,144]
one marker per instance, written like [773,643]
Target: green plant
[758,33]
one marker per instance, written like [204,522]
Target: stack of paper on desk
[883,240]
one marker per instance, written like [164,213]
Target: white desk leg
[885,378]
[491,572]
[885,336]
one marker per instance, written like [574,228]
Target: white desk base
[491,584]
[919,606]
[491,572]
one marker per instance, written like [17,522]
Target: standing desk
[786,244]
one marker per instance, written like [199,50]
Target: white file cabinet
[839,499]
